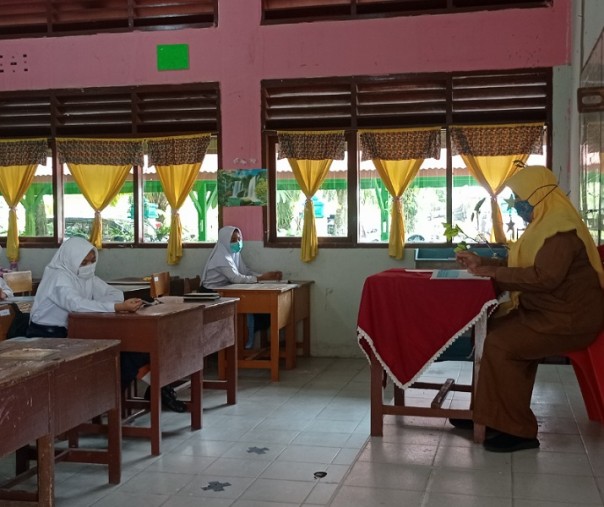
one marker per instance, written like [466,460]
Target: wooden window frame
[144,111]
[469,98]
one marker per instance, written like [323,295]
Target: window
[295,11]
[54,206]
[25,18]
[352,206]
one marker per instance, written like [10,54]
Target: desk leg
[377,398]
[231,372]
[274,346]
[290,346]
[196,402]
[155,428]
[306,337]
[46,471]
[114,445]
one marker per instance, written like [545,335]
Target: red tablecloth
[407,320]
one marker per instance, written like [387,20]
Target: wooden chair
[192,284]
[160,284]
[19,281]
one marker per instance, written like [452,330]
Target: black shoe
[462,424]
[169,401]
[505,442]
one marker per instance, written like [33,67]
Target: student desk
[174,336]
[49,387]
[406,320]
[276,299]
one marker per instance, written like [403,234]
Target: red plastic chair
[589,369]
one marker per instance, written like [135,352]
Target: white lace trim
[361,334]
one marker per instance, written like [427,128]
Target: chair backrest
[19,281]
[160,284]
[192,284]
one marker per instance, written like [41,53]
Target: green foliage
[451,232]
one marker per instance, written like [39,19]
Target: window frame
[144,111]
[456,112]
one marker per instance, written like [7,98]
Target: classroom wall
[240,52]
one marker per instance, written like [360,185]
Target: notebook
[200,296]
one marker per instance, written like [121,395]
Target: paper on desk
[27,354]
[451,274]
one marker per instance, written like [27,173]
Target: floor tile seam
[345,475]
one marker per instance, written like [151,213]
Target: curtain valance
[401,144]
[17,152]
[327,145]
[497,140]
[101,151]
[177,150]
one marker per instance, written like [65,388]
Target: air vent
[291,11]
[116,111]
[20,18]
[407,100]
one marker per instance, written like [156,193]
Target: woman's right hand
[130,305]
[468,260]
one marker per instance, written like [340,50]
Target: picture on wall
[242,187]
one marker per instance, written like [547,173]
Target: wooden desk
[173,335]
[80,381]
[405,322]
[276,300]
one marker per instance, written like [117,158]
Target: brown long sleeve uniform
[561,309]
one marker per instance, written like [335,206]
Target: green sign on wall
[172,57]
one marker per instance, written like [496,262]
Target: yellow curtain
[396,175]
[397,156]
[177,161]
[491,173]
[14,182]
[310,155]
[99,185]
[309,175]
[177,182]
[490,153]
[18,162]
[99,168]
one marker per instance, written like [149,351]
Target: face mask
[87,271]
[524,210]
[236,246]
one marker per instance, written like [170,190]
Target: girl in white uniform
[70,285]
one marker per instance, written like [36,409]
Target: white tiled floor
[266,451]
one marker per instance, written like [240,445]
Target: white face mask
[87,271]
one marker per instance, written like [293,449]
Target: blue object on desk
[448,254]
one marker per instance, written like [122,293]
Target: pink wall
[240,52]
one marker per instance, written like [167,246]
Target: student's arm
[5,290]
[102,291]
[234,276]
[69,299]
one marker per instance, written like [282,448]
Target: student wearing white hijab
[69,284]
[226,266]
[5,290]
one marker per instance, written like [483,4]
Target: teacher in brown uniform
[555,281]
